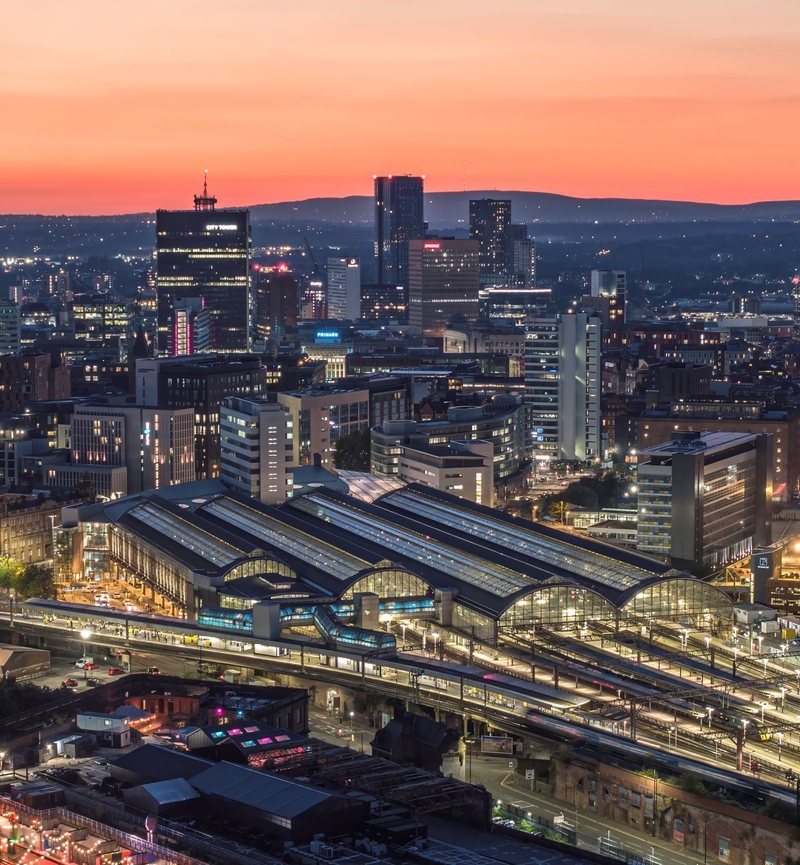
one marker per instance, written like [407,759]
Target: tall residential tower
[398,219]
[562,386]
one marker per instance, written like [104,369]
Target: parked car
[69,683]
[154,671]
[82,662]
[93,683]
[115,671]
[91,666]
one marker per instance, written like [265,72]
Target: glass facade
[690,601]
[557,606]
[389,584]
[231,620]
[343,637]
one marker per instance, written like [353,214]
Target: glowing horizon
[113,109]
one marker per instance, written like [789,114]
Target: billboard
[502,745]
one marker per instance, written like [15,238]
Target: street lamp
[780,745]
[760,639]
[783,696]
[762,711]
[85,634]
[710,713]
[708,643]
[352,715]
[403,626]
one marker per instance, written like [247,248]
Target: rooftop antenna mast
[204,201]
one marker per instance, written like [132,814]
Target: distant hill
[450,209]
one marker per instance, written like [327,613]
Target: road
[506,787]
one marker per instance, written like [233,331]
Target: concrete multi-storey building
[154,446]
[256,447]
[344,288]
[705,498]
[201,382]
[502,423]
[562,386]
[10,337]
[443,281]
[320,416]
[727,415]
[463,469]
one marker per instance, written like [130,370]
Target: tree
[10,570]
[352,452]
[35,581]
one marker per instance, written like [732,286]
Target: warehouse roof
[173,790]
[272,794]
[160,763]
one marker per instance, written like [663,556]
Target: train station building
[353,568]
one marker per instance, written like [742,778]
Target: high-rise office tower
[276,301]
[609,283]
[489,224]
[205,253]
[398,220]
[9,327]
[562,386]
[705,498]
[444,280]
[256,447]
[523,262]
[609,296]
[383,301]
[313,301]
[344,288]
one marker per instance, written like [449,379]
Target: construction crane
[313,260]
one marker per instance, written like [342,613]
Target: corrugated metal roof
[269,793]
[174,790]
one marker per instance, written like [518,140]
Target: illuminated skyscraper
[344,288]
[205,253]
[398,219]
[562,386]
[490,224]
[444,280]
[276,301]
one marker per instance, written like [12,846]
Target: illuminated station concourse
[358,574]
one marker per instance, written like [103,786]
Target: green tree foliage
[352,452]
[20,696]
[27,581]
[10,569]
[36,581]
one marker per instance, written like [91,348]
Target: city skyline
[671,100]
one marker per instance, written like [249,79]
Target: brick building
[697,824]
[32,376]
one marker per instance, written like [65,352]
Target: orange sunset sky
[118,106]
